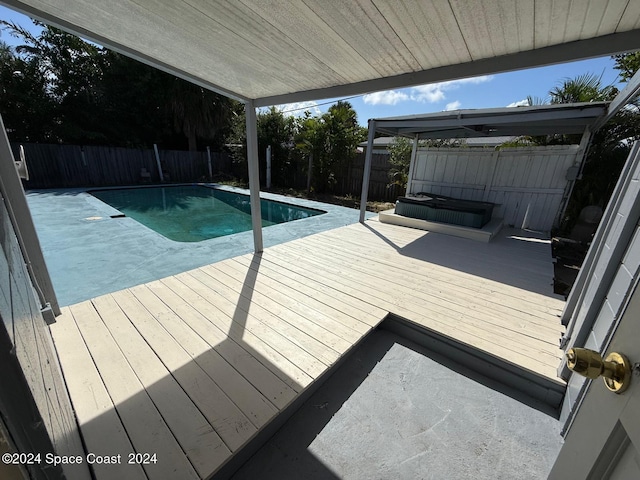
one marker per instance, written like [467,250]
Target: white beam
[567,115]
[627,94]
[254,174]
[367,170]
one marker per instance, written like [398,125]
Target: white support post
[412,163]
[367,170]
[581,159]
[254,173]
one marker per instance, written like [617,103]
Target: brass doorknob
[615,369]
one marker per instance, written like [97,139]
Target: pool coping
[88,253]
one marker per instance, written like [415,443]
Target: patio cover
[573,118]
[495,122]
[280,51]
[267,52]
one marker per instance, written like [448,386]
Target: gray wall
[33,399]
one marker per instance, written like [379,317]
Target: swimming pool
[192,213]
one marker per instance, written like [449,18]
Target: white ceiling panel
[630,19]
[360,25]
[427,29]
[279,51]
[611,16]
[313,36]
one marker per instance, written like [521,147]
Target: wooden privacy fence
[65,166]
[529,185]
[379,188]
[60,166]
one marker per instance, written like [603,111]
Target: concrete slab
[484,234]
[394,410]
[89,254]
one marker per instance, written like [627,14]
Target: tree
[90,95]
[278,131]
[195,111]
[309,144]
[72,69]
[628,64]
[25,105]
[342,134]
[236,142]
[609,146]
[133,103]
[583,88]
[399,158]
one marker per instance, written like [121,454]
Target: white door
[604,440]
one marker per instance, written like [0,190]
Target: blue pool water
[194,213]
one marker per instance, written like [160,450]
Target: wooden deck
[192,366]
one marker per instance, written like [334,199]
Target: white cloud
[387,97]
[297,109]
[521,103]
[480,79]
[430,93]
[453,106]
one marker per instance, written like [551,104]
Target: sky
[489,91]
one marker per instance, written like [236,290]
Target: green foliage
[196,112]
[399,158]
[583,88]
[25,104]
[606,157]
[609,146]
[340,136]
[628,64]
[331,139]
[277,131]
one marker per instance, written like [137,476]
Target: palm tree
[609,146]
[197,112]
[583,88]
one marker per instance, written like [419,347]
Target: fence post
[155,149]
[309,172]
[209,163]
[269,166]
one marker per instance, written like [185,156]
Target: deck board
[102,428]
[441,296]
[202,445]
[207,358]
[144,424]
[233,426]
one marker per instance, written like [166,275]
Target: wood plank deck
[192,366]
